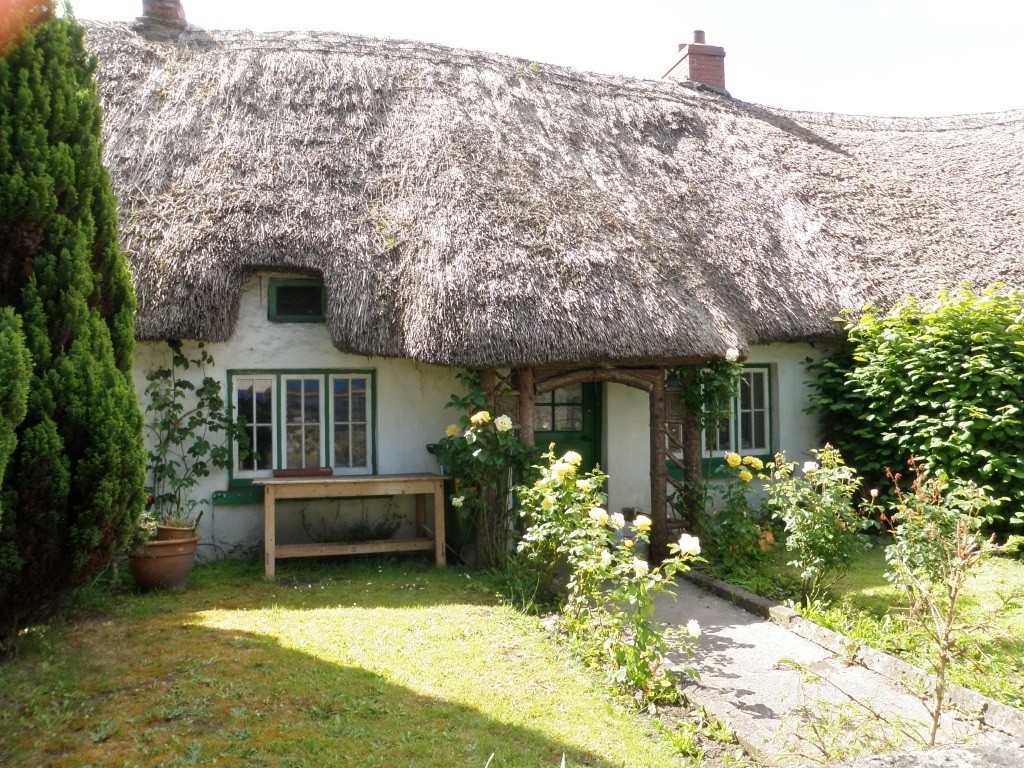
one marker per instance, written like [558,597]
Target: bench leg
[269,532]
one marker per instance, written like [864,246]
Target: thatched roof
[475,209]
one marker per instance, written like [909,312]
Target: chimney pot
[164,11]
[700,63]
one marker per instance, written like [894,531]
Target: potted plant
[160,563]
[187,426]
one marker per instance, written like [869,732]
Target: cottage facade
[350,222]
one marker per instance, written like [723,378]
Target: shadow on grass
[154,687]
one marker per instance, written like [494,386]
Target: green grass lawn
[991,660]
[390,664]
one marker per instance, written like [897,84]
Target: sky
[863,57]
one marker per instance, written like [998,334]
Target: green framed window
[300,419]
[296,300]
[748,428]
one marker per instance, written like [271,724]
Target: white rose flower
[689,545]
[616,520]
[606,558]
[503,423]
[732,354]
[640,567]
[810,466]
[457,501]
[693,627]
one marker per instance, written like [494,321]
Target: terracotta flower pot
[164,564]
[168,532]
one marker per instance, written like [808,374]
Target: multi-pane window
[304,420]
[351,421]
[746,429]
[296,300]
[560,410]
[751,409]
[254,408]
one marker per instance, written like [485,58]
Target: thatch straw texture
[474,209]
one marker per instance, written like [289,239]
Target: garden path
[766,681]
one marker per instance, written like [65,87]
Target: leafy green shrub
[608,605]
[942,380]
[189,428]
[486,460]
[735,535]
[823,529]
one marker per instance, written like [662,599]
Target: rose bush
[591,560]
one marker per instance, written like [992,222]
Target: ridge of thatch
[473,209]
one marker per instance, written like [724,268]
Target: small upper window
[297,300]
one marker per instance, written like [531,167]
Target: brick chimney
[166,12]
[700,63]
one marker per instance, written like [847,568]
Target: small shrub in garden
[937,544]
[823,529]
[608,599]
[190,431]
[734,534]
[487,461]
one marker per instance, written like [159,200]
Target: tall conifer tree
[73,486]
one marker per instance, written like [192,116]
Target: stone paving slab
[764,679]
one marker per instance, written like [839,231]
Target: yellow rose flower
[480,417]
[755,463]
[503,423]
[745,476]
[547,503]
[452,430]
[598,515]
[560,469]
[732,459]
[642,523]
[571,457]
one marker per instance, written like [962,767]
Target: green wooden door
[570,418]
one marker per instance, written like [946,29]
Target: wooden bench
[420,485]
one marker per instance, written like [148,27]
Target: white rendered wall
[627,446]
[410,411]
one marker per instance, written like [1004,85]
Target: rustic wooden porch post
[488,521]
[526,400]
[693,476]
[659,472]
